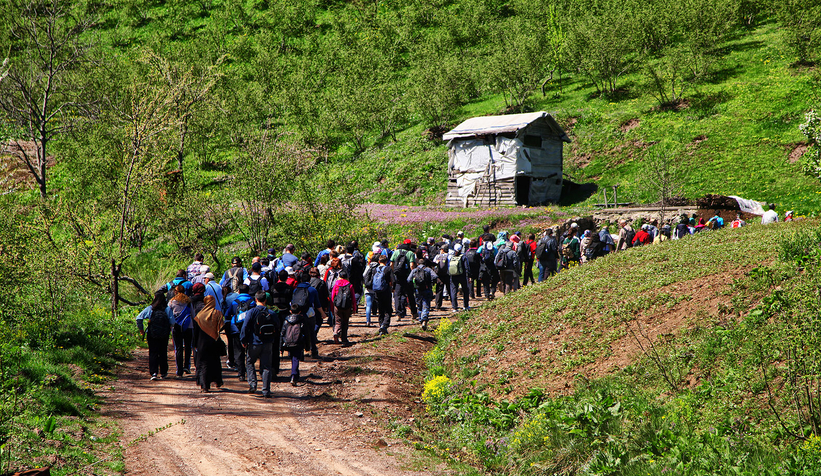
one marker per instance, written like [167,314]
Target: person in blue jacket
[259,346]
[160,321]
[180,280]
[235,317]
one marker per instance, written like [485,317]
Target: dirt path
[321,427]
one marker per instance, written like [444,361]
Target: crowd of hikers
[278,304]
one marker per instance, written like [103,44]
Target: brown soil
[705,295]
[697,140]
[14,172]
[331,423]
[797,151]
[629,125]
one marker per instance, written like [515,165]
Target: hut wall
[500,193]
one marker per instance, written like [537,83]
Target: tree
[42,94]
[811,162]
[661,175]
[801,27]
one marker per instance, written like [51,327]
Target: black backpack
[402,265]
[503,261]
[357,266]
[525,253]
[172,291]
[343,299]
[266,324]
[474,262]
[255,285]
[487,257]
[242,308]
[302,299]
[629,236]
[421,279]
[541,250]
[281,295]
[159,327]
[292,331]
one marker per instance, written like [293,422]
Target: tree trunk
[41,164]
[115,288]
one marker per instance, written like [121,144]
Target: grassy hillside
[696,357]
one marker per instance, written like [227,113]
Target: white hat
[574,225]
[460,233]
[290,271]
[209,276]
[457,247]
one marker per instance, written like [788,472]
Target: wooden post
[615,197]
[605,197]
[115,291]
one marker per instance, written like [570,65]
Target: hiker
[652,229]
[595,249]
[256,281]
[236,317]
[547,252]
[370,295]
[693,220]
[606,238]
[488,273]
[209,345]
[586,240]
[517,246]
[259,330]
[570,249]
[179,280]
[487,236]
[324,296]
[353,262]
[460,238]
[529,253]
[626,235]
[376,250]
[383,280]
[506,261]
[458,272]
[403,292]
[443,283]
[307,298]
[738,222]
[160,320]
[288,258]
[770,216]
[227,303]
[234,276]
[663,235]
[716,221]
[180,306]
[200,278]
[194,269]
[682,229]
[700,226]
[197,298]
[293,338]
[474,261]
[213,289]
[642,237]
[788,216]
[422,279]
[330,245]
[292,280]
[279,297]
[343,299]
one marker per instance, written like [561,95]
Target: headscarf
[198,288]
[210,319]
[180,296]
[501,238]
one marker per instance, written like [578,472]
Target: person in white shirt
[770,216]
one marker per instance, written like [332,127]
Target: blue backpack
[379,282]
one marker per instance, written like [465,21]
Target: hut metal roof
[488,125]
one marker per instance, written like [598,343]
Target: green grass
[716,396]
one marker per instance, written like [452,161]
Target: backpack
[525,252]
[629,236]
[292,331]
[487,257]
[369,276]
[331,276]
[281,296]
[421,279]
[184,318]
[235,278]
[242,309]
[474,262]
[301,298]
[541,250]
[255,285]
[265,325]
[567,252]
[402,264]
[158,328]
[455,266]
[502,260]
[346,264]
[342,299]
[590,253]
[736,224]
[357,265]
[379,281]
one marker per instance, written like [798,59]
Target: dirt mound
[629,125]
[585,223]
[723,206]
[797,151]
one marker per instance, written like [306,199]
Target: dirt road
[324,426]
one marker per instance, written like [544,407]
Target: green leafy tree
[801,27]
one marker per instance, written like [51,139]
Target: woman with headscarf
[180,307]
[207,325]
[160,321]
[501,239]
[197,297]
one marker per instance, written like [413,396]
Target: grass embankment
[692,357]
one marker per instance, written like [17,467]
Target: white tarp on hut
[749,206]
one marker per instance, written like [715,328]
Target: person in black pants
[443,283]
[159,327]
[383,295]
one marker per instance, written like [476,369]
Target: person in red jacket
[343,300]
[642,237]
[528,264]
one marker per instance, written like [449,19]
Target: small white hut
[514,159]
